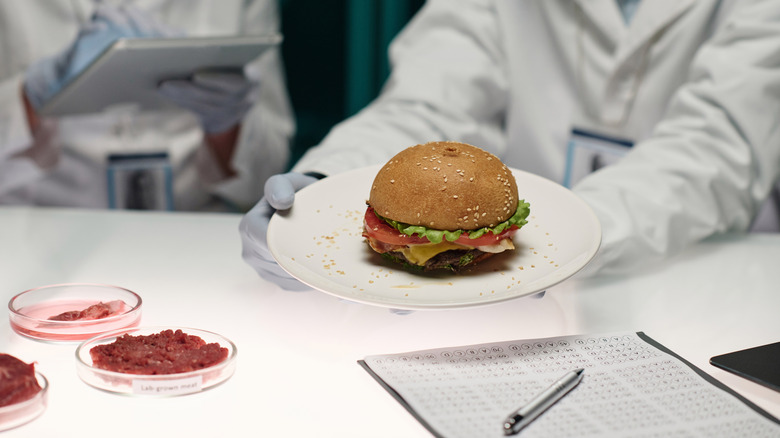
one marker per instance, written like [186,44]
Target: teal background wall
[335,55]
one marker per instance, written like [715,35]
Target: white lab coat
[696,83]
[66,164]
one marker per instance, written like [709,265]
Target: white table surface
[297,373]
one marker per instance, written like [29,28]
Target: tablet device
[129,71]
[759,364]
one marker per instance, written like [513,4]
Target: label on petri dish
[168,387]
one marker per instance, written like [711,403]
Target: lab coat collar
[606,16]
[650,18]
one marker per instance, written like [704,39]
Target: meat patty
[453,260]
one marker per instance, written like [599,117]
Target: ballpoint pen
[527,413]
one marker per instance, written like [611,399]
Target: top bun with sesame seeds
[445,185]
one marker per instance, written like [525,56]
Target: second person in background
[226,135]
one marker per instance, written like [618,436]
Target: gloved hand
[279,195]
[220,99]
[46,77]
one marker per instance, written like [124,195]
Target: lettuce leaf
[436,236]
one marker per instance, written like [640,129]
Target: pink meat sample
[17,380]
[95,311]
[167,352]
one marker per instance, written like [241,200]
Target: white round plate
[319,241]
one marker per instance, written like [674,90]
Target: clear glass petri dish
[17,414]
[29,311]
[155,385]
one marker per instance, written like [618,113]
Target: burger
[443,206]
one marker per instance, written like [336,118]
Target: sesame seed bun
[445,185]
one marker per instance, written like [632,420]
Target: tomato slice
[382,231]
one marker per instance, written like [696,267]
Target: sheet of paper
[632,386]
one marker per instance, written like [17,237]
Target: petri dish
[155,385]
[17,414]
[31,310]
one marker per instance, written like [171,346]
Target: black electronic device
[760,364]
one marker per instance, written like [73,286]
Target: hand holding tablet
[45,78]
[123,55]
[130,71]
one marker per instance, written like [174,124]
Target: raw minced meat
[17,380]
[167,352]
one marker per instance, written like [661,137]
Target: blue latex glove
[46,77]
[219,99]
[279,195]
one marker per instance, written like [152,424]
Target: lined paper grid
[632,386]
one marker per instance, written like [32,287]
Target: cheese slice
[419,254]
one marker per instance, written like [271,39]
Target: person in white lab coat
[219,152]
[694,84]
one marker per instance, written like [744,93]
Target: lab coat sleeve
[16,169]
[712,159]
[447,83]
[263,147]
